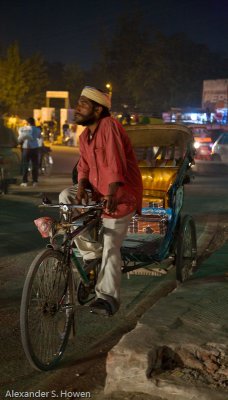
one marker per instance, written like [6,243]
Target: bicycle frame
[85,221]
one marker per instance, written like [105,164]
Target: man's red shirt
[109,157]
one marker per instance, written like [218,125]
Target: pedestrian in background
[29,137]
[65,128]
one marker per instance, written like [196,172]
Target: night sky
[68,31]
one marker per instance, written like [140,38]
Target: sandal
[101,307]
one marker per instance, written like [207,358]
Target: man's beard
[85,121]
[89,121]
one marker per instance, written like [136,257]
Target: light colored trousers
[115,230]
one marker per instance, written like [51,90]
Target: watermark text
[39,394]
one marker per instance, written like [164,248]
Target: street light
[109,87]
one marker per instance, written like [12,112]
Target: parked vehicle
[215,133]
[10,158]
[220,148]
[203,142]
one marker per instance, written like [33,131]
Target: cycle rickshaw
[165,154]
[51,292]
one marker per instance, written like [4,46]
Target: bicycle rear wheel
[47,310]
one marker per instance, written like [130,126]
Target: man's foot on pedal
[101,307]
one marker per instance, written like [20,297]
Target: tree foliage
[156,73]
[22,81]
[121,55]
[74,80]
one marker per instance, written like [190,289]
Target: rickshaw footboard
[141,247]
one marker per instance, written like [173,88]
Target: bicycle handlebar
[66,207]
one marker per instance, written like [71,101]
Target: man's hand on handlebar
[110,203]
[81,191]
[82,195]
[110,199]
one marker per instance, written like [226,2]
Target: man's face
[85,112]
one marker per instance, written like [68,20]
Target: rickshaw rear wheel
[186,249]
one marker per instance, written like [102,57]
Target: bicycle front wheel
[47,309]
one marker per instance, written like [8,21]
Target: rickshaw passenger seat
[157,182]
[158,178]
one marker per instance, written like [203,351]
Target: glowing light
[194,116]
[196,145]
[109,87]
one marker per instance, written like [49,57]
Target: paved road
[64,158]
[206,199]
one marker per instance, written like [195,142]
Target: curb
[215,242]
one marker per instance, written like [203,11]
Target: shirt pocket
[100,155]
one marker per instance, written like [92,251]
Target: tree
[12,79]
[55,75]
[121,53]
[37,81]
[74,80]
[157,72]
[22,82]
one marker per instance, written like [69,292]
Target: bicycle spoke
[49,310]
[48,302]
